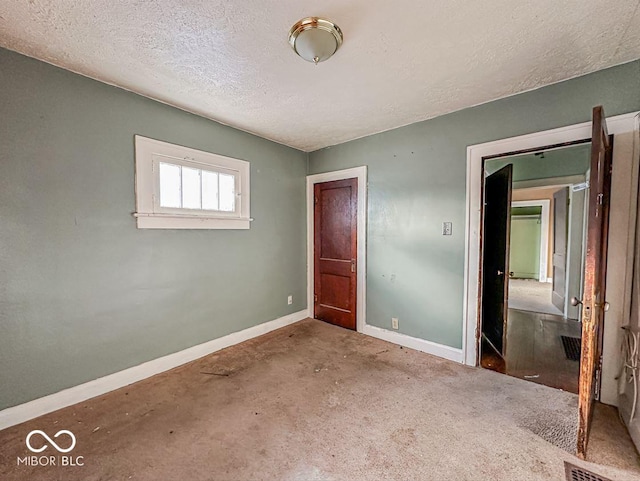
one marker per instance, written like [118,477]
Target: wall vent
[576,473]
[572,347]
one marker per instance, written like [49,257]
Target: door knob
[604,305]
[500,273]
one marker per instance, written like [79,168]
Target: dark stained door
[593,301]
[495,257]
[560,210]
[335,252]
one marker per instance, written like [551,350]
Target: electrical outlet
[447,228]
[290,300]
[394,322]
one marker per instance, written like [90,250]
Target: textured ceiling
[401,62]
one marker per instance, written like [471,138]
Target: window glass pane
[190,188]
[169,185]
[227,193]
[196,189]
[209,190]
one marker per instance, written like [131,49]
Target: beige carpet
[316,402]
[531,295]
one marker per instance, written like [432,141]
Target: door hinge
[315,298]
[315,199]
[598,380]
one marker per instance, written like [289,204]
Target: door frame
[359,173]
[621,232]
[544,232]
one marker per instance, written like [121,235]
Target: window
[186,185]
[182,188]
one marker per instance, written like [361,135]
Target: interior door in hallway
[495,257]
[335,252]
[560,216]
[593,298]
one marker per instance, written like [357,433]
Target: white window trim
[150,215]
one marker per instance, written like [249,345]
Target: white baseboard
[440,350]
[32,409]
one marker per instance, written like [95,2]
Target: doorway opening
[335,252]
[332,262]
[601,335]
[534,237]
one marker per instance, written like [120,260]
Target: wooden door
[560,217]
[593,301]
[495,257]
[335,252]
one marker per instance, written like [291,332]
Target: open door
[560,234]
[593,301]
[495,257]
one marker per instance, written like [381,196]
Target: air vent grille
[572,347]
[576,473]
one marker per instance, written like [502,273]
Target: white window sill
[168,221]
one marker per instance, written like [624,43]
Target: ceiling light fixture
[315,39]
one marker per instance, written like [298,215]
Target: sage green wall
[524,244]
[417,181]
[83,292]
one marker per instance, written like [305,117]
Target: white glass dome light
[315,39]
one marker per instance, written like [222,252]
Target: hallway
[531,295]
[535,350]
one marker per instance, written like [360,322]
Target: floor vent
[576,473]
[572,347]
